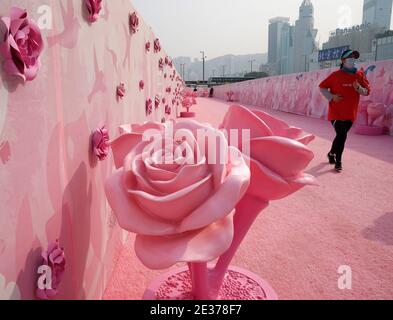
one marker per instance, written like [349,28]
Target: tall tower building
[276,28]
[305,37]
[378,12]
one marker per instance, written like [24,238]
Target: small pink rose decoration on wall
[100,141]
[21,45]
[157,45]
[93,9]
[121,90]
[173,194]
[141,85]
[157,101]
[147,46]
[149,107]
[161,64]
[54,261]
[134,22]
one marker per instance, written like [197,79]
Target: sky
[221,27]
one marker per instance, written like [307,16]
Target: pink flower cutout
[157,45]
[121,90]
[181,210]
[168,110]
[147,46]
[54,258]
[161,64]
[101,143]
[93,8]
[141,85]
[21,45]
[149,107]
[134,22]
[157,101]
[163,100]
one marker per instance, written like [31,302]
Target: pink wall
[299,93]
[51,185]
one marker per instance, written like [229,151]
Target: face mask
[350,63]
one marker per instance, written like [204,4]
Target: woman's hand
[337,98]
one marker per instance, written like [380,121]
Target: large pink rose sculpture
[54,258]
[20,45]
[170,190]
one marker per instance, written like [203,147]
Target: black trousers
[342,128]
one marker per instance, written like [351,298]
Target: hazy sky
[235,26]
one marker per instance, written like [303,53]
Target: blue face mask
[350,63]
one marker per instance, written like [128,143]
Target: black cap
[348,53]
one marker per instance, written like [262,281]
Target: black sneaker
[332,158]
[338,167]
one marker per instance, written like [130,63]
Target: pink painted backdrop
[299,93]
[51,186]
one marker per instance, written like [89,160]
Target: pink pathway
[299,243]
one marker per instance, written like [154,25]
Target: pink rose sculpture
[121,90]
[157,45]
[54,258]
[149,107]
[141,85]
[134,22]
[170,192]
[147,46]
[230,95]
[21,45]
[93,9]
[100,143]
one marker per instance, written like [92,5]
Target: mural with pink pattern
[299,94]
[52,184]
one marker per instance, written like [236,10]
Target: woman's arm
[327,94]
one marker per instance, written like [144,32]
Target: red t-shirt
[341,83]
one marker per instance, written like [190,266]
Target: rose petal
[123,145]
[281,128]
[267,185]
[239,117]
[175,206]
[284,156]
[203,245]
[222,202]
[129,214]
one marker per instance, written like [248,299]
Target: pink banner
[299,94]
[93,65]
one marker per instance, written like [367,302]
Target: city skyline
[205,25]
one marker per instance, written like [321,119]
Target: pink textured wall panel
[51,185]
[299,93]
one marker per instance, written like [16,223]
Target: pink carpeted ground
[298,243]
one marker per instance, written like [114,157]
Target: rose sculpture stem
[206,284]
[247,212]
[199,274]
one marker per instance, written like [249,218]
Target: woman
[343,89]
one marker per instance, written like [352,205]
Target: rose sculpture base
[187,115]
[368,130]
[239,284]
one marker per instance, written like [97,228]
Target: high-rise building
[378,13]
[305,37]
[287,49]
[276,28]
